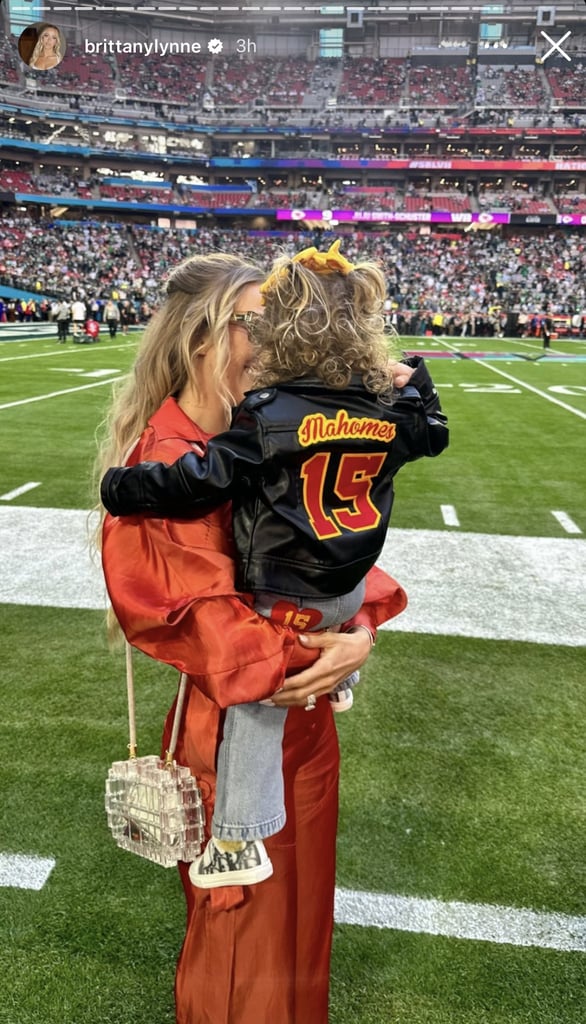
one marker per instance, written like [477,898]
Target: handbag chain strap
[132,746]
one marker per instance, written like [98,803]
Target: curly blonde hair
[324,325]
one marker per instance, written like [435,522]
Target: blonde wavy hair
[326,325]
[39,47]
[200,297]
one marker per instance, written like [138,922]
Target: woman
[251,955]
[48,52]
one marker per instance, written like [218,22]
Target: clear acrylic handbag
[153,805]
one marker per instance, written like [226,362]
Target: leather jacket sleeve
[437,435]
[191,484]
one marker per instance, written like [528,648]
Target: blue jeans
[249,793]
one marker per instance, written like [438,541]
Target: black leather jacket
[310,473]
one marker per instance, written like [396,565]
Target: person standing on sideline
[78,315]
[125,315]
[545,329]
[251,954]
[112,317]
[62,318]
[332,421]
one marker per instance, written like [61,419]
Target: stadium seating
[368,83]
[568,85]
[267,81]
[440,87]
[8,62]
[180,80]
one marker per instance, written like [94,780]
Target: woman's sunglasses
[246,320]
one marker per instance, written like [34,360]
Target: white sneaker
[216,867]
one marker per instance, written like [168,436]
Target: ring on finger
[310,702]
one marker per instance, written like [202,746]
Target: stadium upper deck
[456,111]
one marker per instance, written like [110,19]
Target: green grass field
[463,758]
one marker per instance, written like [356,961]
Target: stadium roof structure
[294,12]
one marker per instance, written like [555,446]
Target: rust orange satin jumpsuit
[256,954]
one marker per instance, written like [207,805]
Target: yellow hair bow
[330,262]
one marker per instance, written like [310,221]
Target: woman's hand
[340,655]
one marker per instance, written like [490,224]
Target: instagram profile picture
[42,46]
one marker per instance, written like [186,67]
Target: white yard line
[19,871]
[523,384]
[566,522]
[56,394]
[54,351]
[16,493]
[483,922]
[34,355]
[449,515]
[529,387]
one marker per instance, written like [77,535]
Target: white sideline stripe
[480,921]
[459,584]
[19,871]
[16,493]
[46,559]
[55,394]
[489,586]
[449,515]
[566,522]
[522,384]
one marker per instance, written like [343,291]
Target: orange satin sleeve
[171,584]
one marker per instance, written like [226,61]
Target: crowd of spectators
[524,88]
[180,79]
[400,196]
[65,260]
[526,201]
[568,87]
[370,82]
[363,198]
[8,62]
[439,87]
[571,202]
[479,275]
[268,81]
[481,272]
[60,183]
